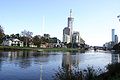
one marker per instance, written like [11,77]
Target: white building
[12,42]
[113,35]
[70,24]
[66,35]
[76,37]
[67,31]
[66,38]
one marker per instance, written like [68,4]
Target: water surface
[23,65]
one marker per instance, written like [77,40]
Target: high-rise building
[76,37]
[70,24]
[67,31]
[113,35]
[66,35]
[116,39]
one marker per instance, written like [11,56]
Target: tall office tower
[116,39]
[66,35]
[70,24]
[67,31]
[113,35]
[76,37]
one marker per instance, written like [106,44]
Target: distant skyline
[94,19]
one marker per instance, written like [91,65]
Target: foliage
[15,36]
[44,40]
[113,72]
[113,68]
[37,40]
[53,40]
[91,74]
[1,34]
[69,45]
[67,73]
[47,36]
[1,29]
[116,47]
[27,33]
[27,37]
[73,45]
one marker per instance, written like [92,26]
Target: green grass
[37,49]
[60,49]
[15,48]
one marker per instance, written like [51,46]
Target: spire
[70,12]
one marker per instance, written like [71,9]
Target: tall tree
[27,37]
[17,36]
[1,34]
[12,36]
[37,40]
[46,36]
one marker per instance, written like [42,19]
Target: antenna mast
[70,12]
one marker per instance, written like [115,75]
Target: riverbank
[112,73]
[7,48]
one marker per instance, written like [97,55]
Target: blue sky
[94,19]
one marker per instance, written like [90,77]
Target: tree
[27,37]
[44,40]
[53,40]
[37,40]
[46,36]
[17,36]
[12,36]
[116,47]
[1,34]
[1,29]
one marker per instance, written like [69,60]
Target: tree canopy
[1,33]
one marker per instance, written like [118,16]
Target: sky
[94,19]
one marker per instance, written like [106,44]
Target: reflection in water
[21,58]
[24,65]
[115,58]
[30,63]
[41,70]
[0,64]
[71,60]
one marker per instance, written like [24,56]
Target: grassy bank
[61,49]
[7,48]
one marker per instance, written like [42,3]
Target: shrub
[67,73]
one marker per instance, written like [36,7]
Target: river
[24,65]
